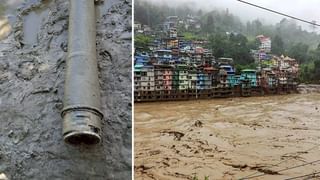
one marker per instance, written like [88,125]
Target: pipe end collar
[82,137]
[81,127]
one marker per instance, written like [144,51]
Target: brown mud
[256,137]
[32,68]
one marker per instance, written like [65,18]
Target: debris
[155,152]
[3,176]
[198,124]
[268,171]
[177,135]
[42,90]
[240,166]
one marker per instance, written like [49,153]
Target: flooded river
[273,137]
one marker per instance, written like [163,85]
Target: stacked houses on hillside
[178,69]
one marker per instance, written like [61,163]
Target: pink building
[163,77]
[167,78]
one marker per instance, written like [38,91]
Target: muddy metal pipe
[82,114]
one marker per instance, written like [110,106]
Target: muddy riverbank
[256,137]
[32,68]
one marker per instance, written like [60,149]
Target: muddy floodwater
[274,137]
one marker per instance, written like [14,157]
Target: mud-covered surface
[31,92]
[274,137]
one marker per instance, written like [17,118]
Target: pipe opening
[76,138]
[81,126]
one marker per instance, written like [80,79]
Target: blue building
[251,75]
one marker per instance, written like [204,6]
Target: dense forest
[288,38]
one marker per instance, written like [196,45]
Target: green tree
[299,51]
[277,46]
[238,49]
[234,46]
[218,43]
[189,36]
[141,41]
[209,24]
[253,43]
[316,73]
[257,25]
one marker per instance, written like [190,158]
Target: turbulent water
[256,137]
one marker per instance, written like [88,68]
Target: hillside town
[221,92]
[176,68]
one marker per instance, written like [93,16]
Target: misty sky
[304,9]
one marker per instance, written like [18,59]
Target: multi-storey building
[163,77]
[249,74]
[192,78]
[158,77]
[204,77]
[170,22]
[182,76]
[144,78]
[265,43]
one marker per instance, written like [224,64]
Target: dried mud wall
[31,93]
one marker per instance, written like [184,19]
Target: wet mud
[274,137]
[31,92]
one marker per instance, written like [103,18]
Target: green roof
[249,70]
[138,66]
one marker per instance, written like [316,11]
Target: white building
[265,43]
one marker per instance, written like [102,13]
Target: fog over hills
[307,10]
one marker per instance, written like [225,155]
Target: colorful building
[163,77]
[265,43]
[192,78]
[144,78]
[182,70]
[251,75]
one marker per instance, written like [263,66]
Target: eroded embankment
[256,137]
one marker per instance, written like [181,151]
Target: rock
[27,70]
[3,176]
[198,124]
[177,135]
[10,134]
